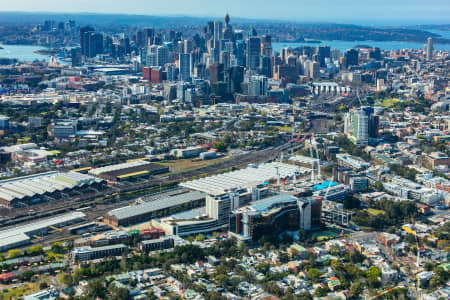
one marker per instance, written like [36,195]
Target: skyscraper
[266,45]
[217,30]
[323,52]
[162,55]
[253,52]
[314,71]
[209,30]
[84,39]
[257,86]
[95,43]
[149,34]
[236,77]
[351,57]
[430,48]
[361,127]
[75,54]
[185,72]
[375,53]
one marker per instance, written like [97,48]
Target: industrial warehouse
[146,211]
[225,193]
[51,186]
[129,170]
[21,235]
[252,176]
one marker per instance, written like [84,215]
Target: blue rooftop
[324,185]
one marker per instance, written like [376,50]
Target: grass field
[388,102]
[375,212]
[325,235]
[184,165]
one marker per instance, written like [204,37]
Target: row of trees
[394,214]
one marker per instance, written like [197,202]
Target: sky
[341,11]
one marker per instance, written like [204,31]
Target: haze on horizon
[362,12]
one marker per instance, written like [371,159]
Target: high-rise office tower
[162,55]
[139,40]
[84,37]
[361,127]
[151,60]
[335,54]
[351,57]
[266,66]
[314,71]
[323,52]
[430,48]
[95,43]
[266,45]
[188,46]
[225,59]
[185,66]
[179,47]
[253,52]
[76,57]
[217,30]
[236,78]
[228,47]
[257,86]
[215,73]
[240,53]
[209,30]
[148,35]
[375,53]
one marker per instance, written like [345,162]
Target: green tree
[321,291]
[35,250]
[14,253]
[58,248]
[313,274]
[97,288]
[373,273]
[356,289]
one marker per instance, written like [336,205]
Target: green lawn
[375,212]
[388,102]
[325,235]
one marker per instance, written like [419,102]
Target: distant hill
[280,30]
[106,19]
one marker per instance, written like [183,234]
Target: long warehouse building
[21,235]
[251,176]
[23,191]
[158,208]
[129,170]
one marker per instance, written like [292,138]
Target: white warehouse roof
[251,176]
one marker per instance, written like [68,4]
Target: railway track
[98,199]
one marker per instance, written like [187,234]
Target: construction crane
[330,181]
[312,164]
[314,143]
[315,160]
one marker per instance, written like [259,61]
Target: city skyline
[382,12]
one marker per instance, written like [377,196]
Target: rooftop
[159,204]
[249,177]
